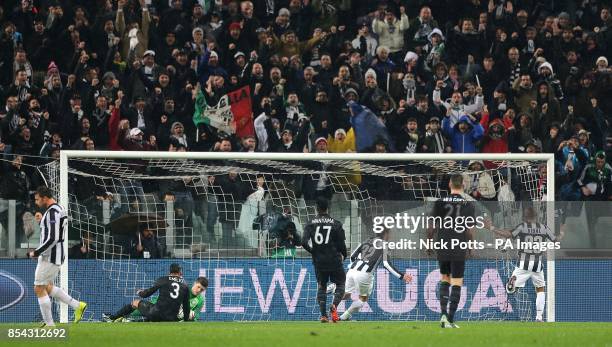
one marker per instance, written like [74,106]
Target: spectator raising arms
[316,76]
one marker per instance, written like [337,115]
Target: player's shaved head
[456,182]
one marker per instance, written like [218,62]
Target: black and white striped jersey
[367,257]
[529,234]
[52,235]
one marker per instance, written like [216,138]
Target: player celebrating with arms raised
[324,239]
[173,294]
[452,259]
[364,261]
[529,260]
[50,253]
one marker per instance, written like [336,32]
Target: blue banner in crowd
[283,289]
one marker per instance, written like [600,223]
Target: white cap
[602,58]
[319,139]
[370,72]
[135,131]
[149,52]
[214,54]
[410,56]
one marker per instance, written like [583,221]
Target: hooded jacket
[496,144]
[479,183]
[459,110]
[551,79]
[463,142]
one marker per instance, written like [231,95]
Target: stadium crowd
[460,76]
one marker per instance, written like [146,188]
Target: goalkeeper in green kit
[196,302]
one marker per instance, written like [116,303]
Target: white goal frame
[549,158]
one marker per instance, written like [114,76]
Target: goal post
[550,255]
[258,158]
[63,201]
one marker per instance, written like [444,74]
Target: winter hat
[53,67]
[196,29]
[543,65]
[284,11]
[350,90]
[472,162]
[340,131]
[319,139]
[235,26]
[434,32]
[108,74]
[539,60]
[370,72]
[583,132]
[602,58]
[564,15]
[534,142]
[135,132]
[214,54]
[410,56]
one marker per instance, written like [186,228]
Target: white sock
[59,294]
[540,303]
[354,308]
[45,309]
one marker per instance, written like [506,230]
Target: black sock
[124,311]
[338,294]
[455,296]
[444,289]
[322,298]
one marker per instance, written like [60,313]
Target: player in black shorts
[452,259]
[324,239]
[173,293]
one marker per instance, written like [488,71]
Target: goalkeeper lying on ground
[174,298]
[196,302]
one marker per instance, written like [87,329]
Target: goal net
[237,218]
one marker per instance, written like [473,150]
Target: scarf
[133,36]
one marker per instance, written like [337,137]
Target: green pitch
[309,334]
